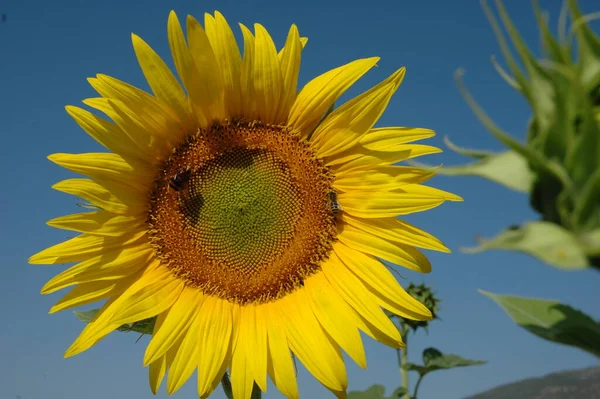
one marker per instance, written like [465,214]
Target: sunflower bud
[426,296]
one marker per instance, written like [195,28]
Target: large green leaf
[376,392]
[142,327]
[552,321]
[545,241]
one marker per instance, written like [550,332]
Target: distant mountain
[575,384]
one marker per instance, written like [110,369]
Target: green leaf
[434,360]
[376,392]
[586,214]
[552,320]
[545,241]
[479,154]
[415,367]
[87,315]
[550,43]
[507,168]
[143,326]
[588,46]
[539,83]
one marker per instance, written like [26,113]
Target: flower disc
[242,211]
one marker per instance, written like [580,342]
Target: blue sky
[47,50]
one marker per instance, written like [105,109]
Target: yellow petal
[102,223]
[364,160]
[186,68]
[382,204]
[107,166]
[414,150]
[132,125]
[321,92]
[209,87]
[241,374]
[156,373]
[379,139]
[280,365]
[91,292]
[249,104]
[214,338]
[153,292]
[109,195]
[111,264]
[303,42]
[376,276]
[161,80]
[228,56]
[266,75]
[106,133]
[380,178]
[398,231]
[82,247]
[158,369]
[157,119]
[319,354]
[289,59]
[354,292]
[186,359]
[176,322]
[344,127]
[428,192]
[253,335]
[156,297]
[400,254]
[335,316]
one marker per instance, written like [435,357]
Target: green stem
[226,384]
[417,386]
[403,360]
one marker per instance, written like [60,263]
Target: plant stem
[414,396]
[403,360]
[226,384]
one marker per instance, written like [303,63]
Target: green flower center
[241,207]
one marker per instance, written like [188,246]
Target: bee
[180,180]
[335,205]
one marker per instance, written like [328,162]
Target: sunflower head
[240,216]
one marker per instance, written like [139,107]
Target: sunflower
[248,217]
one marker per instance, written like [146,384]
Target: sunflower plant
[558,165]
[241,223]
[433,359]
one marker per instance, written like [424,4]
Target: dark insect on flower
[336,207]
[179,181]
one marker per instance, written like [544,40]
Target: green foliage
[507,168]
[552,321]
[426,296]
[558,165]
[434,360]
[142,327]
[376,392]
[546,241]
